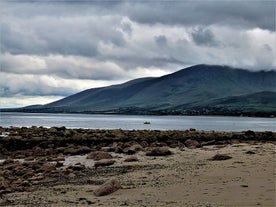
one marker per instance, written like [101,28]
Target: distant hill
[200,89]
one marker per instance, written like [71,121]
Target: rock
[59,164]
[104,162]
[71,151]
[250,152]
[46,168]
[133,149]
[192,144]
[131,159]
[220,157]
[36,178]
[71,175]
[108,149]
[60,157]
[99,155]
[144,144]
[38,151]
[7,190]
[211,142]
[31,158]
[9,160]
[159,151]
[108,187]
[50,151]
[83,150]
[4,185]
[77,167]
[249,133]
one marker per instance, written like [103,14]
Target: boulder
[108,187]
[249,152]
[104,162]
[131,159]
[99,155]
[83,149]
[133,149]
[219,157]
[46,168]
[192,144]
[159,151]
[71,151]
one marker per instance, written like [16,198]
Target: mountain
[200,89]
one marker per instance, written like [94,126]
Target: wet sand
[186,178]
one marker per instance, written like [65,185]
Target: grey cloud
[68,67]
[161,40]
[247,14]
[67,36]
[204,37]
[13,85]
[126,27]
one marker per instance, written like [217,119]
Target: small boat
[146,122]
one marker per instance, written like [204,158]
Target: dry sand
[186,178]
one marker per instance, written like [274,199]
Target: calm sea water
[130,122]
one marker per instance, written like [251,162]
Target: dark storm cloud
[204,37]
[249,14]
[67,36]
[235,13]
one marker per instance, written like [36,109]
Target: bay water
[137,122]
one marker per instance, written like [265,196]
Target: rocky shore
[81,160]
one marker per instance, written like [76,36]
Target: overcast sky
[54,48]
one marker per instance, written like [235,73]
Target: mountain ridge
[197,89]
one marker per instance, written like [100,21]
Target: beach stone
[131,159]
[83,150]
[108,149]
[108,187]
[219,157]
[211,142]
[4,185]
[99,155]
[192,144]
[71,175]
[159,151]
[31,158]
[77,167]
[46,168]
[249,133]
[50,151]
[133,149]
[71,151]
[249,152]
[104,162]
[144,144]
[234,141]
[36,178]
[60,157]
[5,191]
[9,160]
[59,164]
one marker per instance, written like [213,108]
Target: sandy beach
[187,176]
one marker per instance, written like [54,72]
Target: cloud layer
[51,49]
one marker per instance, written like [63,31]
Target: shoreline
[64,167]
[271,116]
